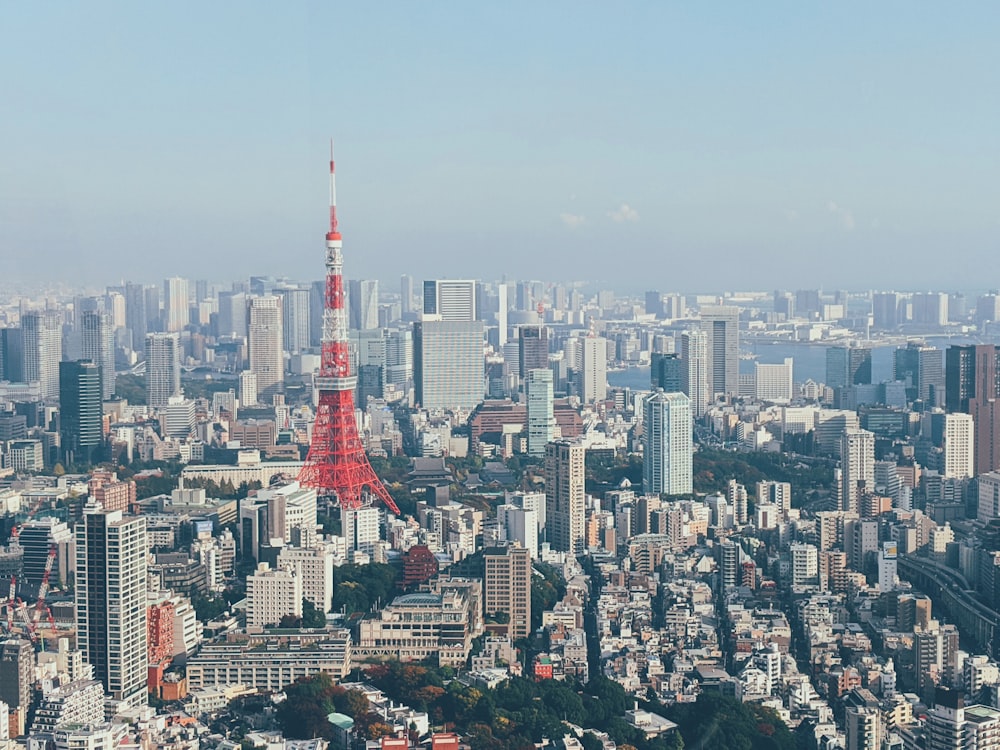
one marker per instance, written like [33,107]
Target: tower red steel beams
[337,463]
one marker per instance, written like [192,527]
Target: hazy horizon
[686,147]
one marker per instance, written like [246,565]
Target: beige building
[419,626]
[508,587]
[564,495]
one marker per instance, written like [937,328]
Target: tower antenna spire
[334,232]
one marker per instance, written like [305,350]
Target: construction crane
[43,588]
[10,603]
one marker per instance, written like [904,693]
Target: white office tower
[41,333]
[97,343]
[360,527]
[736,494]
[399,359]
[272,594]
[163,368]
[448,364]
[541,420]
[721,325]
[565,510]
[694,370]
[110,597]
[176,304]
[593,369]
[857,465]
[773,382]
[248,388]
[451,299]
[667,444]
[959,446]
[295,313]
[314,567]
[362,301]
[405,294]
[804,564]
[519,525]
[264,342]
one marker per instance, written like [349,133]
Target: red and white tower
[337,463]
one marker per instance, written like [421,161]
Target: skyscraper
[176,304]
[264,344]
[959,446]
[857,461]
[448,363]
[507,588]
[135,316]
[111,601]
[405,294]
[80,413]
[972,385]
[885,310]
[451,299]
[97,343]
[694,370]
[847,366]
[564,495]
[41,337]
[163,368]
[533,349]
[232,319]
[922,369]
[667,444]
[11,355]
[541,421]
[363,300]
[17,679]
[295,319]
[665,371]
[593,369]
[721,326]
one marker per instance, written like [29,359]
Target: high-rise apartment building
[532,348]
[885,310]
[507,588]
[163,368]
[81,425]
[41,341]
[451,299]
[541,420]
[363,304]
[176,304]
[565,474]
[694,370]
[448,364]
[97,343]
[721,326]
[264,343]
[667,444]
[111,601]
[857,461]
[593,369]
[959,446]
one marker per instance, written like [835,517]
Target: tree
[312,617]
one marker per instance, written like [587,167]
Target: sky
[679,146]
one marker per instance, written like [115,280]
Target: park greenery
[360,587]
[522,712]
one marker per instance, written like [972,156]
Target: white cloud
[845,215]
[624,213]
[572,220]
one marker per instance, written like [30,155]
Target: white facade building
[272,594]
[667,445]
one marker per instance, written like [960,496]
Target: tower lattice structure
[337,463]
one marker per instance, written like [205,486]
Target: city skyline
[847,143]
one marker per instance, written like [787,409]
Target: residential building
[564,495]
[667,444]
[507,588]
[163,368]
[110,596]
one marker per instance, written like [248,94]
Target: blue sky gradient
[682,146]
